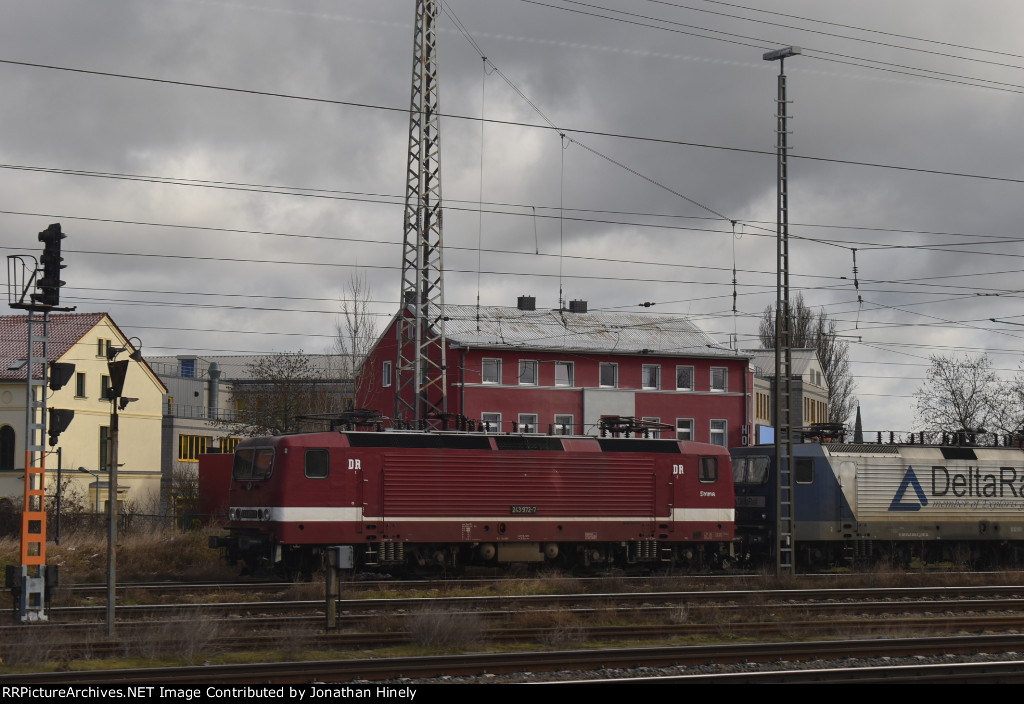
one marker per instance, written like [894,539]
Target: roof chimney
[527,303]
[577,306]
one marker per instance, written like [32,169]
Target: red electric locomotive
[451,499]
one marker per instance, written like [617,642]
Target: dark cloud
[584,73]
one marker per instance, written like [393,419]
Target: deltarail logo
[974,482]
[909,480]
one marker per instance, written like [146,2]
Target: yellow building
[810,389]
[83,339]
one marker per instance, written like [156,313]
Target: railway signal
[60,419]
[37,290]
[60,374]
[50,283]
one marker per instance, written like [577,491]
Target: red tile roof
[65,330]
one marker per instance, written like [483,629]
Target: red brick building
[560,371]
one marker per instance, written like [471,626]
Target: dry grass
[563,636]
[143,555]
[543,618]
[553,582]
[305,591]
[182,638]
[434,628]
[31,646]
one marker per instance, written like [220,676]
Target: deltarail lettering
[971,482]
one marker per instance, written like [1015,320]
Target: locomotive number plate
[749,502]
[522,509]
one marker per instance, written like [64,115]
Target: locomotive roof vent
[527,303]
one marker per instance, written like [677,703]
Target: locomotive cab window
[253,463]
[804,470]
[708,470]
[318,464]
[750,470]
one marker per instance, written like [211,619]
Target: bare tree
[959,393]
[279,389]
[185,488]
[818,332]
[1008,411]
[356,332]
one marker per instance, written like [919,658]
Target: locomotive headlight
[265,514]
[232,514]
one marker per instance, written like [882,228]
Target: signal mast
[36,290]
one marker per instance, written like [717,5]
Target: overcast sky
[278,199]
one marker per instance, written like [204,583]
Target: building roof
[503,327]
[64,331]
[236,367]
[763,361]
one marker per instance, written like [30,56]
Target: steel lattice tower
[421,370]
[782,416]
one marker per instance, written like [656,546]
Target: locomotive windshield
[750,470]
[253,463]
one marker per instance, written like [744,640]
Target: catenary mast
[421,370]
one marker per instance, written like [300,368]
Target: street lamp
[117,371]
[96,476]
[136,354]
[785,548]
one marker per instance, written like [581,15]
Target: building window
[563,424]
[718,434]
[609,374]
[653,433]
[763,406]
[80,385]
[191,446]
[188,368]
[386,374]
[527,422]
[104,387]
[7,440]
[490,371]
[650,377]
[563,373]
[684,429]
[103,348]
[106,449]
[528,372]
[228,445]
[684,378]
[491,422]
[719,379]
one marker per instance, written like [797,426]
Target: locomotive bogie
[449,500]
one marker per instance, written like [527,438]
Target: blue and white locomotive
[959,504]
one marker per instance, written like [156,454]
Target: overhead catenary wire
[566,210]
[639,20]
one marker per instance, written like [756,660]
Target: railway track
[286,629]
[615,664]
[550,619]
[874,600]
